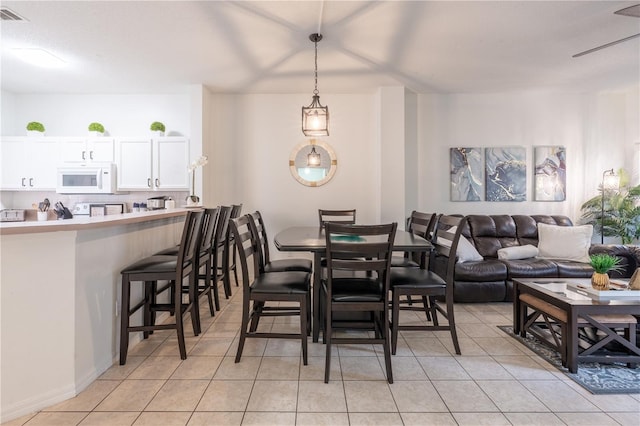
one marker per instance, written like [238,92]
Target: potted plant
[157,128]
[35,129]
[602,264]
[96,129]
[619,215]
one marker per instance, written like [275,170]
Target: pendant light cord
[315,92]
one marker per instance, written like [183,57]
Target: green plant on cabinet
[96,127]
[35,126]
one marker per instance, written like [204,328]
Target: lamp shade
[313,158]
[315,119]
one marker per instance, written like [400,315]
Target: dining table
[312,239]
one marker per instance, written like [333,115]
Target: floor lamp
[609,182]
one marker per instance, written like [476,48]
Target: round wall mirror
[313,163]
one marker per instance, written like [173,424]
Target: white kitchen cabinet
[145,164]
[86,150]
[29,163]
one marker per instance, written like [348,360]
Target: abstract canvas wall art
[467,182]
[550,173]
[506,174]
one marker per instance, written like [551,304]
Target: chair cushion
[171,251]
[356,290]
[281,265]
[415,278]
[155,263]
[289,282]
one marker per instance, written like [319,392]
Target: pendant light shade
[315,117]
[313,158]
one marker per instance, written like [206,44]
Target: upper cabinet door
[171,159]
[81,150]
[133,163]
[29,163]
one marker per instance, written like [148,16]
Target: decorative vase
[600,281]
[34,133]
[634,282]
[157,133]
[193,199]
[95,134]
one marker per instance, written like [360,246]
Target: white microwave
[95,178]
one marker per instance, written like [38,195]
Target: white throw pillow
[564,242]
[518,252]
[466,252]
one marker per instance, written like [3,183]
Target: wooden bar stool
[176,270]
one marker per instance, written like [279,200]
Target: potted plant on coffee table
[35,129]
[602,264]
[96,129]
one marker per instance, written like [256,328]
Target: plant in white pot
[157,128]
[193,199]
[35,129]
[96,129]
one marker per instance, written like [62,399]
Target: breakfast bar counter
[59,304]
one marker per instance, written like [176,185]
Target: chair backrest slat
[447,232]
[360,248]
[336,216]
[247,248]
[189,241]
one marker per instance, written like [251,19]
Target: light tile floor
[496,381]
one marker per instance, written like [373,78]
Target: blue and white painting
[467,181]
[550,173]
[506,174]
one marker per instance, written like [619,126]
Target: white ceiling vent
[630,11]
[9,15]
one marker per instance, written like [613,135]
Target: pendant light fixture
[313,158]
[315,117]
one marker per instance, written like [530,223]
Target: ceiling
[263,46]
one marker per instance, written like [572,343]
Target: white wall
[121,115]
[595,129]
[253,137]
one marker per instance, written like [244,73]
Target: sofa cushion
[518,252]
[530,268]
[564,242]
[484,270]
[568,269]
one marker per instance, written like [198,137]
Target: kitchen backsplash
[25,199]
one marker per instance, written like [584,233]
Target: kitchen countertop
[87,222]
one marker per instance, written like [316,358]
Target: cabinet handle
[83,157]
[91,155]
[23,183]
[149,182]
[157,183]
[31,182]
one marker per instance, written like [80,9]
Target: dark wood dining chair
[177,270]
[232,250]
[204,261]
[436,292]
[260,290]
[420,224]
[336,216]
[221,266]
[279,265]
[358,265]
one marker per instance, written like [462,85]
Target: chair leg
[214,285]
[180,324]
[245,324]
[303,327]
[150,288]
[427,307]
[194,284]
[255,315]
[225,268]
[387,354]
[124,319]
[395,315]
[452,325]
[326,337]
[235,271]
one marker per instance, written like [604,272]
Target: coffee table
[580,308]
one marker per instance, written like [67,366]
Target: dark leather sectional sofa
[491,279]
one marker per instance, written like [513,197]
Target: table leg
[317,274]
[572,341]
[516,309]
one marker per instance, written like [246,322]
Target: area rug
[597,378]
